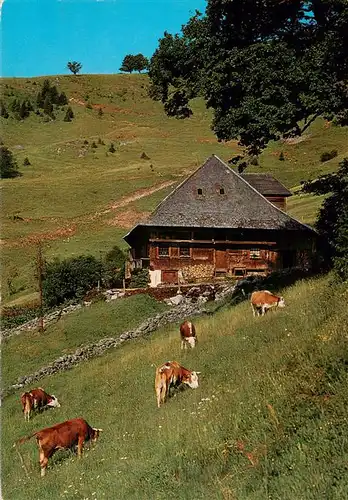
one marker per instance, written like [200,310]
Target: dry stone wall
[83,353]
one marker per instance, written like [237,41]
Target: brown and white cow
[171,374]
[37,399]
[188,334]
[263,300]
[62,436]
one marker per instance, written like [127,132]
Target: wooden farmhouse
[220,223]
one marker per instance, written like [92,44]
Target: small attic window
[222,191]
[200,191]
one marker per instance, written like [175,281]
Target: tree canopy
[132,63]
[332,222]
[74,67]
[267,68]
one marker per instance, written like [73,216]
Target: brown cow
[188,334]
[171,374]
[263,300]
[62,436]
[37,399]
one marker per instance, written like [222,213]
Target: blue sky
[38,37]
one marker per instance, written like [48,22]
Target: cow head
[281,302]
[191,379]
[53,402]
[95,434]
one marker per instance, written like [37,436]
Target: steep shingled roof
[226,201]
[266,184]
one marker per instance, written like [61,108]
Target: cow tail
[21,441]
[24,439]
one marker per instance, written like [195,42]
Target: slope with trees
[267,69]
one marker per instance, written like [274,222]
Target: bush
[140,278]
[328,155]
[8,165]
[69,115]
[26,161]
[93,145]
[70,279]
[112,148]
[114,266]
[281,156]
[17,315]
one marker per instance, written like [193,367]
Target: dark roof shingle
[240,205]
[227,200]
[266,184]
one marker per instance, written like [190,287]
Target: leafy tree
[74,67]
[112,148]
[127,64]
[136,62]
[267,68]
[69,115]
[140,62]
[8,165]
[332,222]
[70,279]
[114,266]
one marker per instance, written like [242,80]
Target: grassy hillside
[30,351]
[268,420]
[79,199]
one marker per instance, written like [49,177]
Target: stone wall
[83,353]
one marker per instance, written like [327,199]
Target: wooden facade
[189,239]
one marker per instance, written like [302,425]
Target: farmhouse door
[221,260]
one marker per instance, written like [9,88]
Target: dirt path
[71,227]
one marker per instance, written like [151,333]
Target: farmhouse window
[222,191]
[200,191]
[184,252]
[163,251]
[255,253]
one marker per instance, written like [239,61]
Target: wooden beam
[214,242]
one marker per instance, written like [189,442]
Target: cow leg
[254,310]
[43,461]
[158,396]
[182,343]
[80,442]
[263,310]
[164,392]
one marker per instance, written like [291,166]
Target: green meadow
[268,420]
[77,199]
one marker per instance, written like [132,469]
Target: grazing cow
[188,334]
[263,300]
[171,374]
[37,399]
[62,436]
